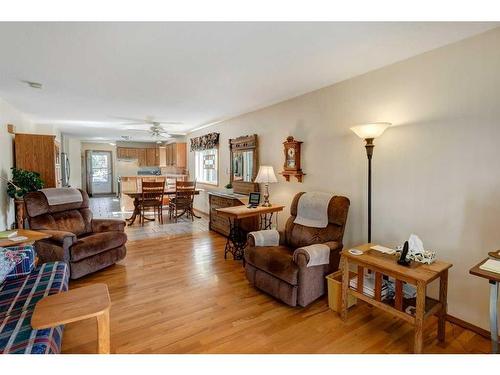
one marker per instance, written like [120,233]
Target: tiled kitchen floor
[109,207]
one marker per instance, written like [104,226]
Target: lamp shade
[266,175]
[372,130]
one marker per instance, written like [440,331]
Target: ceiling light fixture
[34,85]
[112,144]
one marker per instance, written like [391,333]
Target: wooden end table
[75,305]
[494,279]
[237,241]
[418,274]
[32,236]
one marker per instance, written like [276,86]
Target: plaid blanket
[18,298]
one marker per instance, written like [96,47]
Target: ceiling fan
[156,130]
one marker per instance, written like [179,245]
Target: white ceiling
[196,73]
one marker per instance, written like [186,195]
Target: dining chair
[183,199]
[152,197]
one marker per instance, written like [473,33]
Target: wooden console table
[417,274]
[75,305]
[237,241]
[494,279]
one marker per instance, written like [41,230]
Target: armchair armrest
[267,238]
[108,225]
[302,257]
[60,237]
[55,248]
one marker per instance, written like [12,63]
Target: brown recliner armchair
[282,271]
[85,244]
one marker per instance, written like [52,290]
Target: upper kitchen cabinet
[146,157]
[39,153]
[174,154]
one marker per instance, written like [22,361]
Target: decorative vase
[19,208]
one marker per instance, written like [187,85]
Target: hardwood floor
[178,295]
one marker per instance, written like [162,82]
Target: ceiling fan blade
[178,134]
[134,124]
[138,120]
[168,122]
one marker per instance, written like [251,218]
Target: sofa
[18,297]
[85,244]
[282,270]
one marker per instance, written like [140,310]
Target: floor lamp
[369,132]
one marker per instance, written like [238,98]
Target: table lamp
[266,176]
[369,132]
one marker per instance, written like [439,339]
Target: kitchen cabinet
[175,155]
[146,157]
[39,153]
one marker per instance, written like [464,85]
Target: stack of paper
[8,234]
[491,266]
[369,286]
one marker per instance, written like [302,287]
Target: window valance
[205,142]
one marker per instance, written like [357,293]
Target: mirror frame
[244,143]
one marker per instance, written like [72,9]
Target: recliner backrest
[74,217]
[297,235]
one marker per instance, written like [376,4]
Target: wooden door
[150,157]
[181,155]
[157,156]
[141,156]
[163,156]
[121,153]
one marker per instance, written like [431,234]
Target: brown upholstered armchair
[282,271]
[85,244]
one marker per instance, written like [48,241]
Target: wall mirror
[244,163]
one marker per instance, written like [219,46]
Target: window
[206,166]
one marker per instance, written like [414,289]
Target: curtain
[205,142]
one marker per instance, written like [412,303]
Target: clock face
[291,152]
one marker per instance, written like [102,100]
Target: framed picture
[254,199]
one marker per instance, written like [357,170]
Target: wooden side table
[32,236]
[75,305]
[416,274]
[494,279]
[236,241]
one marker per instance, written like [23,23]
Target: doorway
[99,172]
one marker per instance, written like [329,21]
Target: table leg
[494,316]
[265,221]
[443,296]
[236,241]
[419,318]
[103,333]
[136,212]
[345,287]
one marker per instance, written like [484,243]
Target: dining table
[136,196]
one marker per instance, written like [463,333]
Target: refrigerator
[65,169]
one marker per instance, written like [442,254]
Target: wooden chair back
[153,190]
[184,192]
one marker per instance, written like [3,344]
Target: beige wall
[436,173]
[8,115]
[23,124]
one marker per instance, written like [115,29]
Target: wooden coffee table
[75,305]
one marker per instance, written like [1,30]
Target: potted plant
[229,188]
[22,183]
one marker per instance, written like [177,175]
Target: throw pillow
[8,261]
[26,265]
